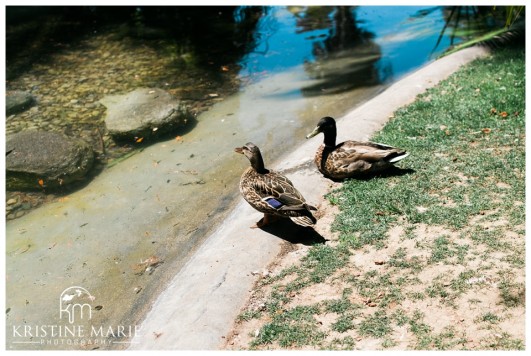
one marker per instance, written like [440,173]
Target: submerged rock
[41,159]
[143,113]
[18,101]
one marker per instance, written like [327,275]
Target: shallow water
[130,230]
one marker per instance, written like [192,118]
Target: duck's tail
[398,156]
[307,219]
[304,221]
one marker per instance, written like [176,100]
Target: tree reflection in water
[206,36]
[344,60]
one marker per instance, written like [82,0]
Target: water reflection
[215,36]
[224,35]
[466,23]
[345,47]
[208,36]
[346,58]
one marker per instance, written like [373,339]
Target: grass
[376,325]
[460,208]
[490,318]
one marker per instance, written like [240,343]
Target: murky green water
[132,226]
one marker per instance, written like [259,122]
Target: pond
[264,75]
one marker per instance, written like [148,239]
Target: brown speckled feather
[259,185]
[353,158]
[255,187]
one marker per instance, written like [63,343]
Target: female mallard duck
[351,158]
[270,192]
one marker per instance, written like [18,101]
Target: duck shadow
[390,172]
[287,230]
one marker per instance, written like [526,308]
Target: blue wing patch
[273,202]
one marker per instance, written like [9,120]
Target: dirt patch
[452,291]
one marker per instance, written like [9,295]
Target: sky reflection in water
[288,37]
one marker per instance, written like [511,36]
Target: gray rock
[41,159]
[143,113]
[18,101]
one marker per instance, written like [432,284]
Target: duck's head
[252,152]
[325,125]
[249,150]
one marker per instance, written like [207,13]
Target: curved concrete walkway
[204,298]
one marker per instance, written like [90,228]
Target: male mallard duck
[351,158]
[270,192]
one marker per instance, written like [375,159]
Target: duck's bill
[313,133]
[239,150]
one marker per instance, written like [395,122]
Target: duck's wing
[279,192]
[352,151]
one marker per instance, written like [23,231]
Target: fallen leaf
[23,250]
[486,130]
[139,269]
[147,265]
[224,68]
[178,138]
[504,114]
[152,261]
[493,111]
[139,139]
[41,182]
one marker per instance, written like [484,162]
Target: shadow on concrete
[288,231]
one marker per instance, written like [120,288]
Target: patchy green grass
[452,277]
[489,318]
[343,323]
[512,294]
[292,327]
[376,325]
[467,144]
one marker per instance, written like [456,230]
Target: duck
[272,193]
[351,159]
